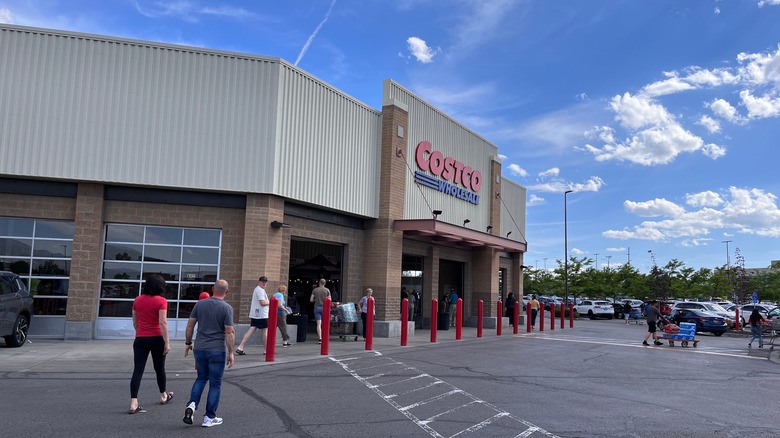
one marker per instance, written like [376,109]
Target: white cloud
[516,170]
[668,86]
[652,146]
[502,157]
[227,11]
[725,110]
[760,107]
[480,23]
[695,242]
[710,124]
[535,200]
[635,112]
[746,211]
[759,68]
[716,11]
[592,184]
[420,50]
[581,97]
[761,3]
[551,172]
[577,251]
[703,199]
[713,151]
[656,207]
[616,249]
[6,16]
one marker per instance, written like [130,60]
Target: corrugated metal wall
[513,210]
[91,108]
[329,146]
[86,108]
[452,139]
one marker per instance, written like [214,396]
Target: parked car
[666,307]
[594,309]
[730,317]
[16,309]
[747,309]
[705,320]
[636,305]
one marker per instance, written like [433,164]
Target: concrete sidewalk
[116,356]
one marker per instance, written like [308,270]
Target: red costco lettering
[447,167]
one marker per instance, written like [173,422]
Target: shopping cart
[774,325]
[345,320]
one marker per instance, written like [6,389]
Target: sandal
[169,396]
[240,352]
[136,410]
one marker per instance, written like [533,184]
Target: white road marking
[428,424]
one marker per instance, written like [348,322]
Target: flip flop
[169,397]
[240,352]
[136,410]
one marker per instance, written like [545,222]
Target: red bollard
[434,318]
[404,321]
[563,317]
[552,316]
[270,339]
[459,320]
[325,326]
[736,315]
[571,315]
[499,317]
[370,324]
[516,317]
[528,317]
[541,317]
[480,305]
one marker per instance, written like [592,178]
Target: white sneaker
[208,422]
[188,413]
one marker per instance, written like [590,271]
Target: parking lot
[595,380]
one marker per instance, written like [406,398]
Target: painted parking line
[430,402]
[618,342]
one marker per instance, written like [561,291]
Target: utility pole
[608,257]
[628,253]
[728,259]
[597,260]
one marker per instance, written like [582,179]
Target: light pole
[566,246]
[728,259]
[597,260]
[608,257]
[545,263]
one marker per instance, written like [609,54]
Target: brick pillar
[263,249]
[383,245]
[485,282]
[517,275]
[85,268]
[430,282]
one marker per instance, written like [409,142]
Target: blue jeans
[755,330]
[211,367]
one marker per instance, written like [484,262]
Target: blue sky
[662,116]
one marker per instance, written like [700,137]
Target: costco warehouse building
[122,158]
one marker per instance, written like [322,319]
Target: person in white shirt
[258,315]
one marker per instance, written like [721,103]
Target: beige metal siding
[452,139]
[513,210]
[329,146]
[82,107]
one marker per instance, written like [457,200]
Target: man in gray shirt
[214,318]
[653,315]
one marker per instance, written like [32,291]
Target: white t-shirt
[258,311]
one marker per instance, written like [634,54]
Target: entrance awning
[442,233]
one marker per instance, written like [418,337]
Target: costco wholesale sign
[452,177]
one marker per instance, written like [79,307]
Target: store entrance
[451,278]
[309,261]
[412,286]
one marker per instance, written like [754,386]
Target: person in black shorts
[653,315]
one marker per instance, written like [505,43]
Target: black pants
[141,349]
[363,318]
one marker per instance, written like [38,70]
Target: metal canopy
[442,233]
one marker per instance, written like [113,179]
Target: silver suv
[16,309]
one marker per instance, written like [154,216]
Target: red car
[666,307]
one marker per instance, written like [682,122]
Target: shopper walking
[150,322]
[453,307]
[317,296]
[756,321]
[511,302]
[363,303]
[258,315]
[534,303]
[214,318]
[652,314]
[626,311]
[283,311]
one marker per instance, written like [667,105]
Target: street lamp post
[728,259]
[597,260]
[566,246]
[608,257]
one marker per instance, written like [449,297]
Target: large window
[39,252]
[187,258]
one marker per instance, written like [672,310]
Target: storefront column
[383,245]
[430,283]
[85,268]
[485,284]
[264,248]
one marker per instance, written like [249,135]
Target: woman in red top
[150,321]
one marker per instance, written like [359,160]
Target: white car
[747,309]
[594,309]
[729,316]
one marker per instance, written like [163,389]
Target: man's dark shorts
[260,323]
[651,326]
